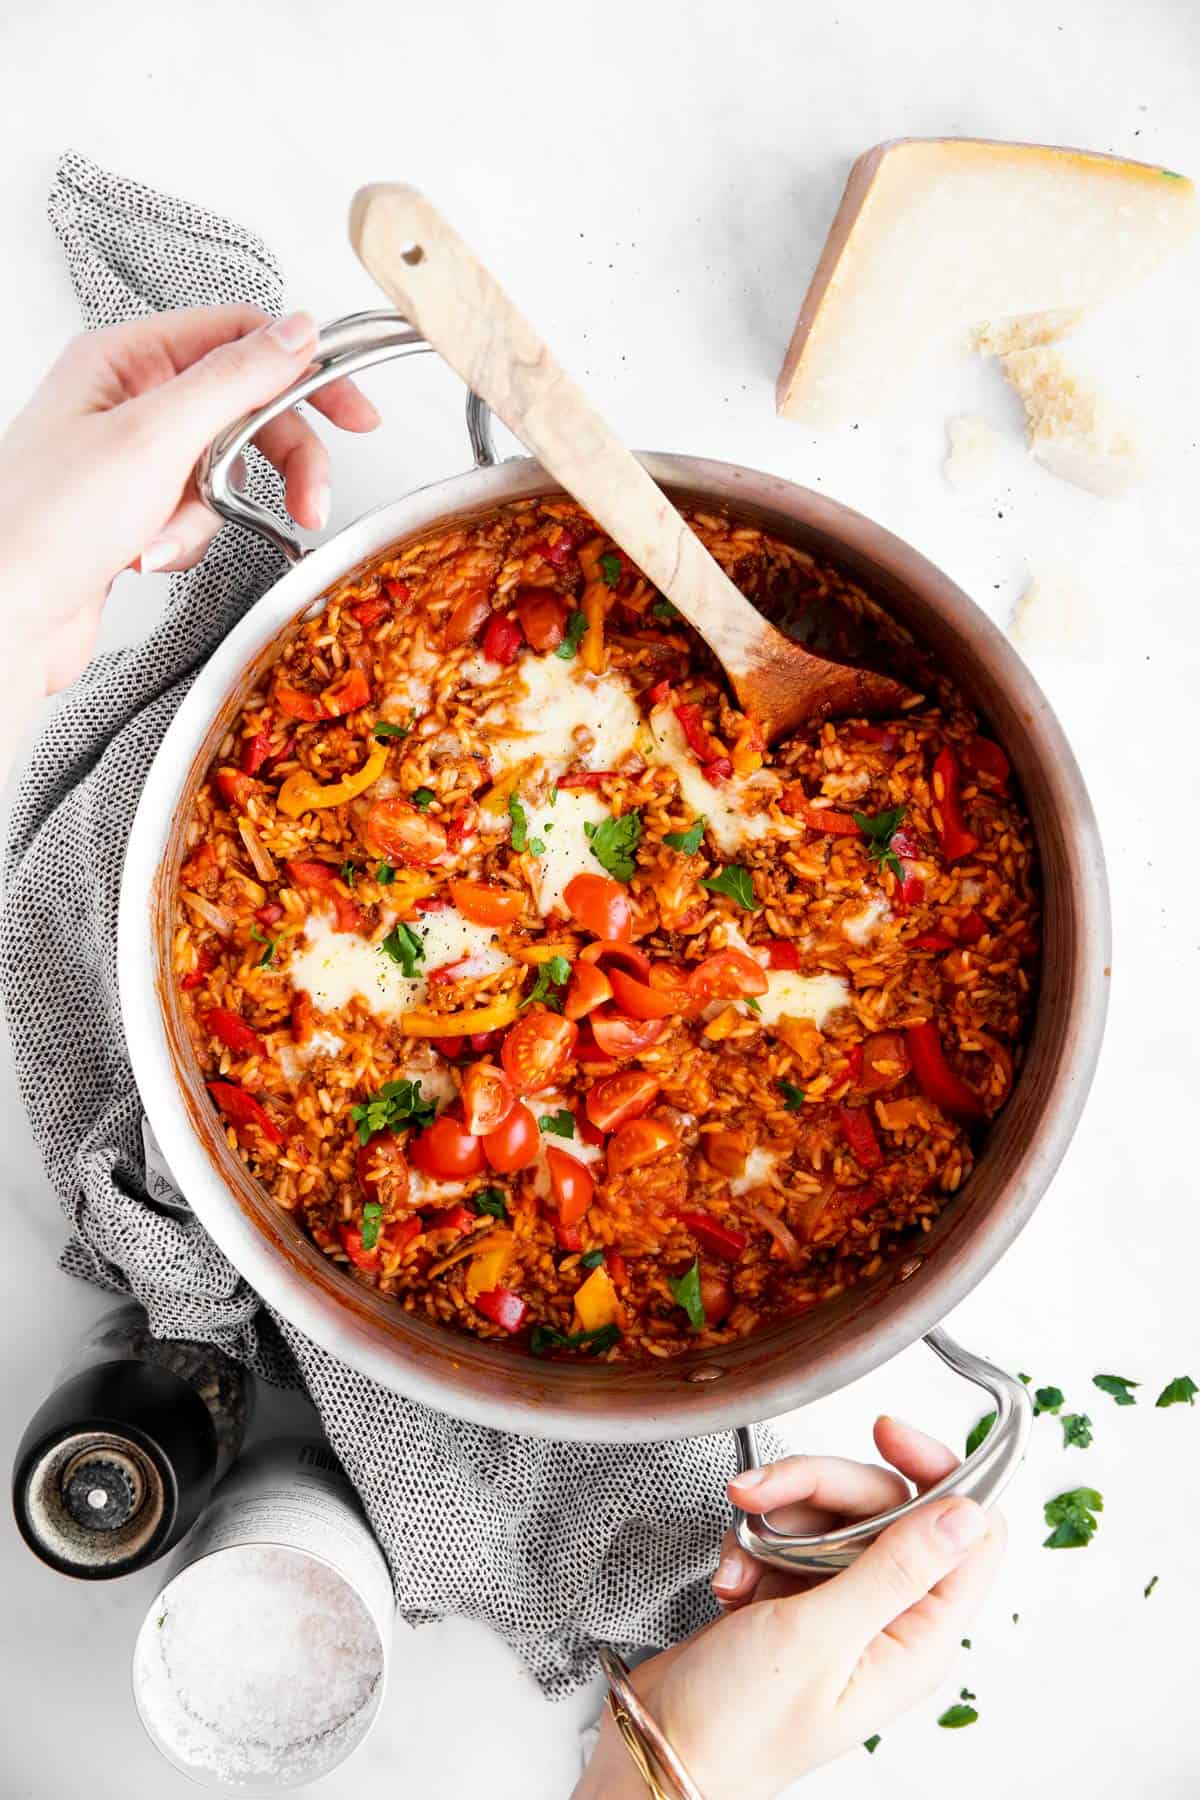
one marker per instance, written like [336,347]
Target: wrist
[610,1774]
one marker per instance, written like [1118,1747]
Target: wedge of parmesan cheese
[935,236]
[1072,431]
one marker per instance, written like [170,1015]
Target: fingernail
[294,332]
[962,1523]
[157,554]
[321,505]
[751,1479]
[729,1571]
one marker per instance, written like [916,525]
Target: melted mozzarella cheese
[412,692]
[568,853]
[479,669]
[723,805]
[795,996]
[557,702]
[758,1172]
[336,966]
[861,926]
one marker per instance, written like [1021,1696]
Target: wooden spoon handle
[440,287]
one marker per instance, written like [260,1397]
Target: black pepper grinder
[117,1464]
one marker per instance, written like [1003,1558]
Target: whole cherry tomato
[446,1150]
[514,1144]
[543,617]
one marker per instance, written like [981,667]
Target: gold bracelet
[650,1751]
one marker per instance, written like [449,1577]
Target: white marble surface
[652,182]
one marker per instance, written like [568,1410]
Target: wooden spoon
[435,281]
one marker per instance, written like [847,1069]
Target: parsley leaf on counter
[966,1643]
[955,1717]
[554,972]
[372,1219]
[980,1431]
[490,1200]
[576,626]
[614,843]
[966,1694]
[686,1289]
[1149,1587]
[545,1337]
[403,946]
[735,882]
[879,832]
[610,568]
[1183,1388]
[793,1096]
[1047,1399]
[689,841]
[1118,1386]
[520,824]
[1072,1516]
[1077,1431]
[422,798]
[561,1123]
[398,1103]
[871,1744]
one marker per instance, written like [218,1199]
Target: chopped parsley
[555,972]
[1048,1400]
[1073,1518]
[686,1290]
[537,846]
[793,1096]
[1176,1393]
[349,874]
[735,882]
[490,1200]
[955,1717]
[979,1432]
[385,874]
[544,1337]
[610,568]
[403,946]
[384,729]
[397,1104]
[871,1744]
[520,824]
[879,832]
[591,1259]
[1118,1386]
[576,626]
[966,1643]
[688,841]
[1149,1587]
[1077,1431]
[749,1001]
[561,1123]
[614,843]
[966,1694]
[268,955]
[422,798]
[372,1219]
[664,612]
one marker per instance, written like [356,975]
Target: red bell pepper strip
[256,751]
[859,1133]
[702,745]
[936,1079]
[875,734]
[795,802]
[206,962]
[569,1236]
[955,839]
[782,953]
[459,830]
[503,1308]
[586,778]
[369,612]
[297,703]
[398,591]
[985,759]
[270,914]
[502,639]
[352,1244]
[972,928]
[456,1218]
[234,787]
[933,940]
[659,694]
[719,1240]
[232,1031]
[854,1063]
[241,1108]
[346,693]
[614,1262]
[719,768]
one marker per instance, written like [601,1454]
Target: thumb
[900,1568]
[189,410]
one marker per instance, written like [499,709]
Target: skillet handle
[982,1477]
[343,347]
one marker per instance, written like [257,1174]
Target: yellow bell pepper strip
[495,801]
[302,793]
[596,1302]
[746,753]
[489,1268]
[597,597]
[419,1021]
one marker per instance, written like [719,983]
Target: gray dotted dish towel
[556,1546]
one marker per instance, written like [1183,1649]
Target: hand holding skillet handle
[431,275]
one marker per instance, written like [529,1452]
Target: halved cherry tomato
[449,1047]
[502,639]
[234,787]
[615,1099]
[241,1108]
[447,1150]
[514,1144]
[672,978]
[230,1029]
[352,1244]
[256,751]
[638,999]
[369,612]
[346,693]
[728,975]
[859,1133]
[985,759]
[571,1184]
[487,1098]
[382,1169]
[543,617]
[619,1037]
[587,1131]
[782,953]
[884,1062]
[613,950]
[638,1142]
[296,702]
[302,1016]
[716,1296]
[535,1049]
[503,1308]
[719,1240]
[589,988]
[588,1052]
[796,802]
[401,832]
[486,904]
[468,617]
[600,905]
